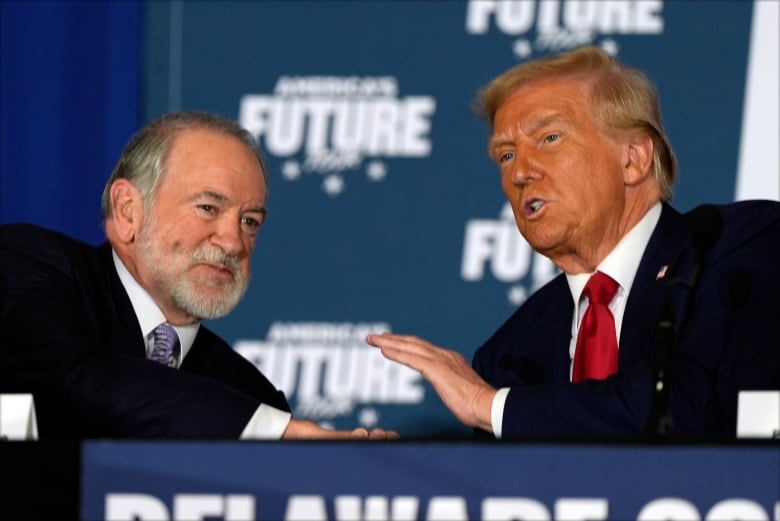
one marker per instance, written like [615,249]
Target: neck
[585,258]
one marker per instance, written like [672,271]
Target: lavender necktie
[166,344]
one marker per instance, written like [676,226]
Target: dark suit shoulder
[750,215]
[27,234]
[756,207]
[32,243]
[31,254]
[749,224]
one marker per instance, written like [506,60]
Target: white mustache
[215,256]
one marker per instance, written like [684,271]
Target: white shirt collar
[623,261]
[149,314]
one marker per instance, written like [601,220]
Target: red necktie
[596,356]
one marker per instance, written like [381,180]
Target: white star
[333,185]
[610,46]
[291,170]
[522,48]
[516,295]
[376,170]
[368,417]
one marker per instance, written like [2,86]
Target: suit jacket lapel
[126,336]
[647,294]
[560,316]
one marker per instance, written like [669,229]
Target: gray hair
[143,159]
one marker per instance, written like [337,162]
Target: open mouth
[533,206]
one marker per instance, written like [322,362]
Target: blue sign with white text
[320,481]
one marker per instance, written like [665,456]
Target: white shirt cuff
[267,423]
[497,411]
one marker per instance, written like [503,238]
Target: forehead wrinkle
[211,194]
[526,127]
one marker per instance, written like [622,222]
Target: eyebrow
[211,194]
[526,127]
[257,209]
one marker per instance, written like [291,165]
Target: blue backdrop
[69,100]
[384,212]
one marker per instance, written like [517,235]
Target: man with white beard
[109,339]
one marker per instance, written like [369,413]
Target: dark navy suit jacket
[68,334]
[727,337]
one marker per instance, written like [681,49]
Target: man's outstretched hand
[461,389]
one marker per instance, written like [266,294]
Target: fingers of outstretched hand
[461,389]
[307,429]
[360,432]
[392,340]
[381,434]
[374,434]
[394,345]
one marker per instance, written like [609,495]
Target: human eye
[503,157]
[208,209]
[551,138]
[250,224]
[502,154]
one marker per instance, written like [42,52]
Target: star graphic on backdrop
[368,417]
[376,170]
[291,170]
[522,48]
[516,295]
[610,46]
[333,185]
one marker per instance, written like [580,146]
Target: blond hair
[622,98]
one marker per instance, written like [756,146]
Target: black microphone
[705,225]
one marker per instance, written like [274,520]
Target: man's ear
[128,209]
[638,160]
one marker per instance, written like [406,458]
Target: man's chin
[208,301]
[211,310]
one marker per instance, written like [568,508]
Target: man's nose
[228,236]
[524,169]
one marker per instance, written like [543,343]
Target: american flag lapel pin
[662,272]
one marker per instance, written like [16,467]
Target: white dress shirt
[266,423]
[621,264]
